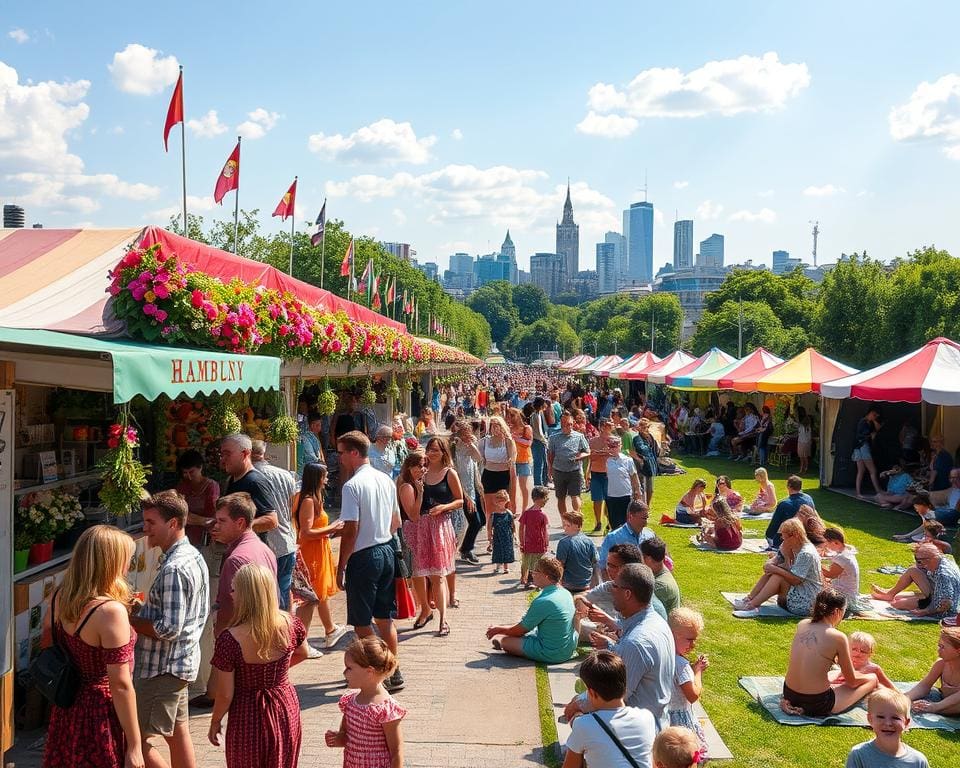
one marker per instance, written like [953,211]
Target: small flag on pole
[365,277]
[321,223]
[229,177]
[174,111]
[287,202]
[392,291]
[376,291]
[346,266]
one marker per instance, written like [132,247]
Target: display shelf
[62,557]
[57,483]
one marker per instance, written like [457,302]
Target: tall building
[783,263]
[638,229]
[608,267]
[683,244]
[568,239]
[461,263]
[548,270]
[711,251]
[400,250]
[619,243]
[508,250]
[13,217]
[490,267]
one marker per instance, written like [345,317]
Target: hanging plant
[326,400]
[393,391]
[283,429]
[124,477]
[368,396]
[223,419]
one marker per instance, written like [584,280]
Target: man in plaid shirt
[169,625]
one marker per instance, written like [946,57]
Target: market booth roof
[637,362]
[574,363]
[756,364]
[930,374]
[804,373]
[603,367]
[669,364]
[136,369]
[709,362]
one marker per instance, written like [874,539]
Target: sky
[444,124]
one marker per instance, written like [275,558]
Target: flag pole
[353,256]
[183,160]
[293,219]
[236,208]
[323,250]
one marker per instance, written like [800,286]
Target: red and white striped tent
[635,363]
[672,362]
[574,363]
[603,363]
[930,374]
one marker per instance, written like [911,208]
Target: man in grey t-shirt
[566,451]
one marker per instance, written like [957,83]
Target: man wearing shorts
[169,625]
[565,451]
[599,453]
[370,515]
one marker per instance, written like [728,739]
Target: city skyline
[756,121]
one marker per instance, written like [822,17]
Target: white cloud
[709,210]
[681,184]
[608,126]
[258,123]
[40,170]
[456,134]
[19,35]
[143,71]
[827,190]
[728,87]
[207,126]
[384,141]
[764,215]
[399,216]
[932,113]
[864,193]
[658,217]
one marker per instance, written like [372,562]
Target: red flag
[175,110]
[365,277]
[392,291]
[287,202]
[229,177]
[346,266]
[376,301]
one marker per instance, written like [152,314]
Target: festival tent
[710,362]
[928,379]
[599,362]
[757,363]
[669,364]
[607,365]
[574,363]
[799,375]
[634,364]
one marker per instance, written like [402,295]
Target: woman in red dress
[89,618]
[253,656]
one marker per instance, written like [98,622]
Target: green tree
[721,328]
[531,302]
[924,301]
[664,313]
[494,303]
[544,334]
[792,296]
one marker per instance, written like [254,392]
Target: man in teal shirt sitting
[545,633]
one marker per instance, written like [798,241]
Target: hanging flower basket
[124,477]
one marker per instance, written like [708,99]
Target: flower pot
[20,559]
[41,553]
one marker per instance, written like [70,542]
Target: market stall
[573,364]
[756,364]
[669,364]
[634,364]
[710,362]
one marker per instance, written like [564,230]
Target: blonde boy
[888,712]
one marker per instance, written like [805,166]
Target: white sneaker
[750,613]
[333,638]
[741,604]
[314,653]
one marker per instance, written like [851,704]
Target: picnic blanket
[767,691]
[761,516]
[747,547]
[879,610]
[672,523]
[892,570]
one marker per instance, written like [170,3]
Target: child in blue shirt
[577,553]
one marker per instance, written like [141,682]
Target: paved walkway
[468,705]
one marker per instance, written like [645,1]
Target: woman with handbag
[89,621]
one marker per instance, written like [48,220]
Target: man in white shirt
[370,515]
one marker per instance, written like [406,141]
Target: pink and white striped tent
[669,364]
[634,364]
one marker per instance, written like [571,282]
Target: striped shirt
[177,606]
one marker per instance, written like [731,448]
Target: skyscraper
[568,239]
[620,249]
[508,254]
[461,263]
[548,270]
[711,251]
[683,244]
[638,229]
[608,267]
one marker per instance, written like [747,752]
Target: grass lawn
[740,647]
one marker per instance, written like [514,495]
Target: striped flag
[321,224]
[346,266]
[376,291]
[365,277]
[392,291]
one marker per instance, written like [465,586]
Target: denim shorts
[524,470]
[598,486]
[285,565]
[862,453]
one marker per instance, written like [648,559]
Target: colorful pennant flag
[392,292]
[287,202]
[175,110]
[346,266]
[365,277]
[229,178]
[321,223]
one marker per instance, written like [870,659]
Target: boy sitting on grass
[577,553]
[888,712]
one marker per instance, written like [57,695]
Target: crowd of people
[243,568]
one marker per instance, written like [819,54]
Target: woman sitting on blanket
[725,533]
[817,644]
[725,489]
[795,585]
[812,524]
[766,499]
[694,502]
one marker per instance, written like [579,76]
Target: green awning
[142,369]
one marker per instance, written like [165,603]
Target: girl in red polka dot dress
[370,728]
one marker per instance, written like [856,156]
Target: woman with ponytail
[816,646]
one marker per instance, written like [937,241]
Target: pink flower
[160,315]
[196,298]
[335,346]
[161,291]
[150,309]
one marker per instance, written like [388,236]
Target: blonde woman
[522,434]
[726,532]
[88,618]
[766,498]
[499,454]
[254,656]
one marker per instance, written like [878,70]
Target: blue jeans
[285,564]
[539,463]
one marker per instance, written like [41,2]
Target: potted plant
[21,547]
[44,515]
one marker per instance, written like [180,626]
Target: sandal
[444,630]
[421,623]
[455,603]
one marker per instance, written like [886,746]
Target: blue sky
[442,124]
